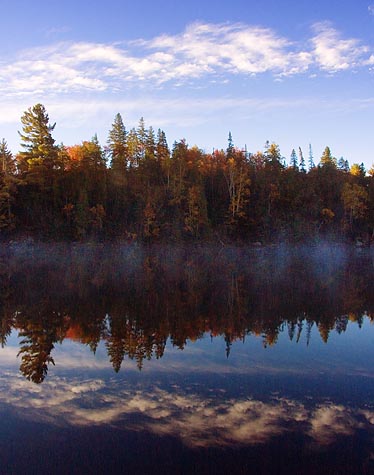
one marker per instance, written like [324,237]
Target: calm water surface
[196,359]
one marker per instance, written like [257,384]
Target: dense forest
[136,188]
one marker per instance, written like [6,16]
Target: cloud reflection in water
[196,420]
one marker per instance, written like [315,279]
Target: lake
[186,359]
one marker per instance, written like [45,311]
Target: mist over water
[243,284]
[120,264]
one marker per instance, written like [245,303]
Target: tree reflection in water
[135,298]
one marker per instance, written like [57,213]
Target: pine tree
[37,140]
[117,144]
[40,167]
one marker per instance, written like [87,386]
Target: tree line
[137,188]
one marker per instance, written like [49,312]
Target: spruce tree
[310,160]
[301,161]
[230,146]
[162,148]
[293,160]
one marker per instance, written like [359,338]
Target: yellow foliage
[327,215]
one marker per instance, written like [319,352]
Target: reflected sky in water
[248,381]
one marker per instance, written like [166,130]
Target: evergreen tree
[8,185]
[301,161]
[133,147]
[7,162]
[343,165]
[117,144]
[310,159]
[40,168]
[142,136]
[116,351]
[293,160]
[230,146]
[150,143]
[162,149]
[37,141]
[163,156]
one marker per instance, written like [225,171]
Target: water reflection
[275,375]
[136,299]
[209,421]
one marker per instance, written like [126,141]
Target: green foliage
[37,141]
[117,144]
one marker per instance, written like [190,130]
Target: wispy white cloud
[231,48]
[54,69]
[203,49]
[371,9]
[334,53]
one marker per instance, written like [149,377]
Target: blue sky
[293,72]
